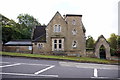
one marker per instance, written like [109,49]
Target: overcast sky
[99,16]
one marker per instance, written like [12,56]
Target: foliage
[27,23]
[21,30]
[90,42]
[113,52]
[118,42]
[113,41]
[8,33]
[28,20]
[9,30]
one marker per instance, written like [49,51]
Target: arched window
[57,28]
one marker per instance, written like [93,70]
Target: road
[14,67]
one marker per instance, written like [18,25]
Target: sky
[100,17]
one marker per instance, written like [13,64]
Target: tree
[118,42]
[27,23]
[90,42]
[113,41]
[8,28]
[21,30]
[28,20]
[8,33]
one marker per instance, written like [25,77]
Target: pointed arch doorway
[102,48]
[102,52]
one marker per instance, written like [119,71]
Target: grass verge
[77,59]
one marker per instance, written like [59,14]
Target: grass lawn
[78,59]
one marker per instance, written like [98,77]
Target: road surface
[14,67]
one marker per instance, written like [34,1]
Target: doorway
[102,52]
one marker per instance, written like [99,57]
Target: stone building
[63,35]
[21,46]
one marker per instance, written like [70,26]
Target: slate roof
[19,43]
[39,34]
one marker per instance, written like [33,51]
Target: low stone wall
[90,53]
[21,49]
[67,53]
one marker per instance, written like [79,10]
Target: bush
[113,52]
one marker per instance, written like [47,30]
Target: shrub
[113,52]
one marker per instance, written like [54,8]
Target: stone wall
[20,49]
[90,53]
[40,48]
[79,36]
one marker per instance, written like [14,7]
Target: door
[57,44]
[102,52]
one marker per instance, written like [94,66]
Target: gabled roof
[54,16]
[101,36]
[39,34]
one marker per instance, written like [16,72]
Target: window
[40,46]
[60,44]
[57,44]
[74,44]
[57,28]
[73,22]
[55,41]
[74,32]
[30,47]
[60,41]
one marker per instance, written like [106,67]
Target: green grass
[79,59]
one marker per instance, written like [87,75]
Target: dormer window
[57,28]
[73,22]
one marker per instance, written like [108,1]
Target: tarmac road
[14,67]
